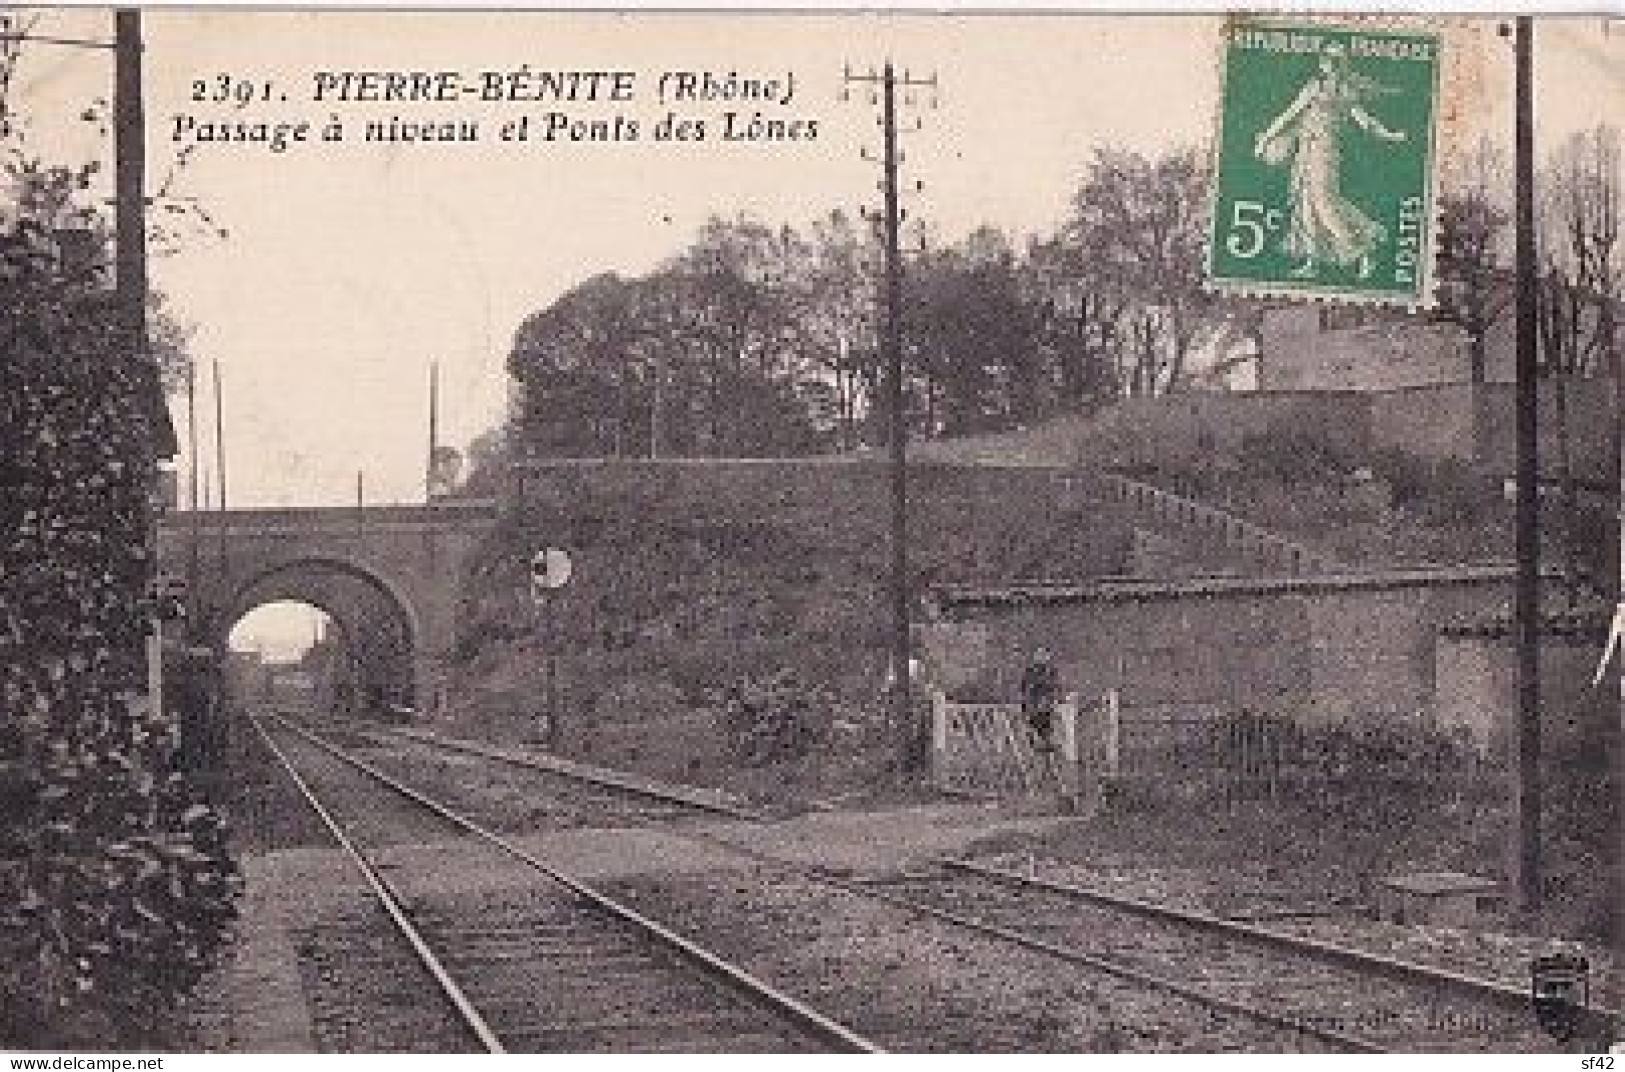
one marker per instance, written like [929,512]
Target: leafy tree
[740,281]
[1137,224]
[572,358]
[838,325]
[707,355]
[1075,324]
[760,340]
[974,357]
[487,454]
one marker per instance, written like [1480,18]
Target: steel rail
[1342,1039]
[1410,971]
[1353,1043]
[604,778]
[1331,1036]
[810,1019]
[471,1017]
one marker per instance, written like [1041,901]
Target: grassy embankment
[678,596]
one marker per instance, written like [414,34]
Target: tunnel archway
[373,623]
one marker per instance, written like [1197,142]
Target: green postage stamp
[1324,166]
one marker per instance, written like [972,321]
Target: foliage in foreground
[116,887]
[773,717]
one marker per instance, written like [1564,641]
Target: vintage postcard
[832,532]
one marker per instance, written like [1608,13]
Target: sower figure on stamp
[1324,226]
[1040,692]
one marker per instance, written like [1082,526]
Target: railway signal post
[550,571]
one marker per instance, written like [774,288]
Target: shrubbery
[121,902]
[773,717]
[1446,490]
[1328,766]
[1288,456]
[116,889]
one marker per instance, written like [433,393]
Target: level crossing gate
[988,750]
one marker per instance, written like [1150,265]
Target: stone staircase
[1174,534]
[1208,535]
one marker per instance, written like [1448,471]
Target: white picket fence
[987,749]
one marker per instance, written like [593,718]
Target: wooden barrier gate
[987,749]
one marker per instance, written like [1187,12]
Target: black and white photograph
[810,531]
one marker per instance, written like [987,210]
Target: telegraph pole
[194,535]
[130,230]
[1617,890]
[219,438]
[129,124]
[1526,610]
[434,432]
[219,465]
[891,349]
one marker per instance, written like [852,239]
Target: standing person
[1040,692]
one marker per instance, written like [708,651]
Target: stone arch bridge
[389,577]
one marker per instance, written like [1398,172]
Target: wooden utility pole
[891,350]
[219,438]
[194,519]
[130,232]
[1617,890]
[130,148]
[1526,609]
[430,473]
[219,468]
[891,345]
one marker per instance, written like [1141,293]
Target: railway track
[548,963]
[1362,1001]
[576,795]
[798,949]
[1300,993]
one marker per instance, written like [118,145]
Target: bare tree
[1580,210]
[1473,290]
[1580,285]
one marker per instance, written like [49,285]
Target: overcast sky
[349,268]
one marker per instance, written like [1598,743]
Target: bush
[121,906]
[1446,490]
[1405,474]
[1373,759]
[772,718]
[1291,456]
[1459,495]
[118,890]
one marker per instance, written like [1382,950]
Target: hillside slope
[1311,467]
[696,575]
[693,577]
